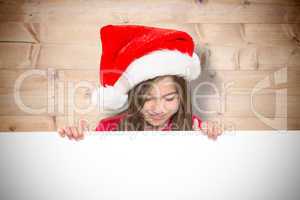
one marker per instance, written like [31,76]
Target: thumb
[83,125]
[196,125]
[204,126]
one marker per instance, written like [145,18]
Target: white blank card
[150,165]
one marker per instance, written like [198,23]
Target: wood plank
[151,11]
[269,34]
[69,56]
[45,123]
[78,75]
[38,91]
[89,34]
[220,57]
[247,79]
[19,3]
[29,102]
[218,34]
[240,106]
[27,123]
[67,120]
[253,123]
[18,32]
[18,55]
[29,79]
[293,124]
[69,81]
[29,56]
[81,56]
[250,57]
[243,34]
[273,2]
[71,33]
[41,102]
[291,91]
[275,58]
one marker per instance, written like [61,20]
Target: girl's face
[161,102]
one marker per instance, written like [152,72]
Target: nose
[157,107]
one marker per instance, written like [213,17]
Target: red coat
[111,123]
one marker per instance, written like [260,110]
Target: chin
[156,123]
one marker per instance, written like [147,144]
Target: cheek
[147,106]
[171,106]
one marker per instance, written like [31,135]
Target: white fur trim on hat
[157,63]
[109,98]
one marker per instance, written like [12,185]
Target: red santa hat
[132,54]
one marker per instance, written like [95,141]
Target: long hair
[134,121]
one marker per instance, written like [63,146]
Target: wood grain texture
[55,46]
[135,11]
[27,123]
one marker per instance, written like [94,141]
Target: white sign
[150,165]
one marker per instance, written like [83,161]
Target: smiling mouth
[157,118]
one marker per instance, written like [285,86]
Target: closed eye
[171,97]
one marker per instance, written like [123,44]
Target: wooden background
[240,42]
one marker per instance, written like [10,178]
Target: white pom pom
[108,98]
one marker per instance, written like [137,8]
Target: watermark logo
[278,78]
[61,97]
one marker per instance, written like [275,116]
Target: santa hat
[132,54]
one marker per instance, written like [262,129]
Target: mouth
[157,117]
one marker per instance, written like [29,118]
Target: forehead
[162,86]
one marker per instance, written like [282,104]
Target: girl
[144,74]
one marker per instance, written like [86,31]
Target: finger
[69,132]
[74,133]
[211,129]
[216,131]
[79,134]
[211,136]
[214,138]
[196,126]
[204,127]
[83,126]
[219,130]
[61,132]
[222,129]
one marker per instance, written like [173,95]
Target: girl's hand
[211,128]
[73,132]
